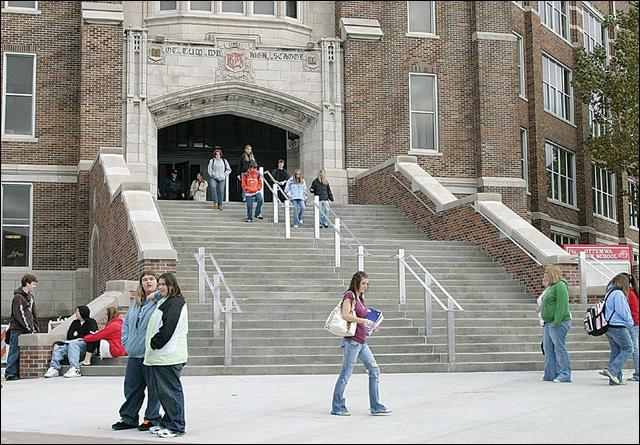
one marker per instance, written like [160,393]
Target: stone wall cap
[97,6]
[121,285]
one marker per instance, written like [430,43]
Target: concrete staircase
[286,288]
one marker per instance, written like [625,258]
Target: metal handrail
[264,180]
[449,308]
[342,225]
[591,257]
[414,194]
[436,281]
[507,235]
[201,266]
[353,236]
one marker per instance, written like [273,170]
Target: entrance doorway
[188,147]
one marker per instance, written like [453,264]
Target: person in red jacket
[634,306]
[109,338]
[252,186]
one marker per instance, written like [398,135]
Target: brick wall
[461,224]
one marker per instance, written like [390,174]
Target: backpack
[595,322]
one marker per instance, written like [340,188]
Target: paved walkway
[501,407]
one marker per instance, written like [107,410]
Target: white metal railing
[216,305]
[276,200]
[584,261]
[449,308]
[337,227]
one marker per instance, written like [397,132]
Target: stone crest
[234,64]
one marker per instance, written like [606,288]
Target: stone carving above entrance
[234,64]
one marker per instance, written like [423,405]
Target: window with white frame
[604,192]
[264,8]
[633,204]
[560,239]
[524,156]
[232,7]
[595,128]
[561,174]
[168,6]
[22,5]
[19,98]
[555,15]
[421,17]
[594,33]
[423,103]
[557,90]
[520,62]
[17,224]
[200,6]
[292,10]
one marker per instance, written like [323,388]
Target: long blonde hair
[555,273]
[322,177]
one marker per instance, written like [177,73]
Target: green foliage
[613,89]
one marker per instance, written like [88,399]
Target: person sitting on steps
[109,338]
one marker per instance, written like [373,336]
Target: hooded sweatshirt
[166,339]
[555,304]
[24,315]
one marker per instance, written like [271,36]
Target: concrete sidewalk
[505,407]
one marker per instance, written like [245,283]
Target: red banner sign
[619,252]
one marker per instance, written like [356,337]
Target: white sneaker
[52,372]
[167,433]
[155,429]
[72,372]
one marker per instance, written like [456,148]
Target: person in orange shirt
[252,186]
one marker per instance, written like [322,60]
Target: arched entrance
[188,147]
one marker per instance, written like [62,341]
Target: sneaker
[168,433]
[295,227]
[72,372]
[155,429]
[301,222]
[603,373]
[122,425]
[52,372]
[385,412]
[259,217]
[561,381]
[612,378]
[145,425]
[633,378]
[612,383]
[341,413]
[247,220]
[11,377]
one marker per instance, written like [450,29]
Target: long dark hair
[356,280]
[633,284]
[172,285]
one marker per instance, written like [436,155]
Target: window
[604,193]
[595,129]
[594,33]
[557,90]
[423,103]
[633,204]
[561,176]
[18,117]
[292,10]
[555,16]
[524,156]
[17,221]
[168,6]
[561,239]
[264,8]
[421,17]
[200,6]
[520,61]
[233,7]
[22,5]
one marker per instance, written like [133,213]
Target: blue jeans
[633,332]
[217,190]
[324,210]
[621,349]
[166,384]
[13,357]
[258,199]
[136,378]
[74,350]
[298,211]
[556,356]
[353,351]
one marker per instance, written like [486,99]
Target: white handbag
[338,325]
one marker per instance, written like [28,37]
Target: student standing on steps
[137,376]
[218,170]
[355,348]
[252,186]
[24,320]
[296,190]
[320,187]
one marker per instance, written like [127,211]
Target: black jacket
[321,190]
[171,189]
[77,330]
[171,311]
[280,175]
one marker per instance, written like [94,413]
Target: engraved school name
[217,52]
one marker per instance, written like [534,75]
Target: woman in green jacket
[557,322]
